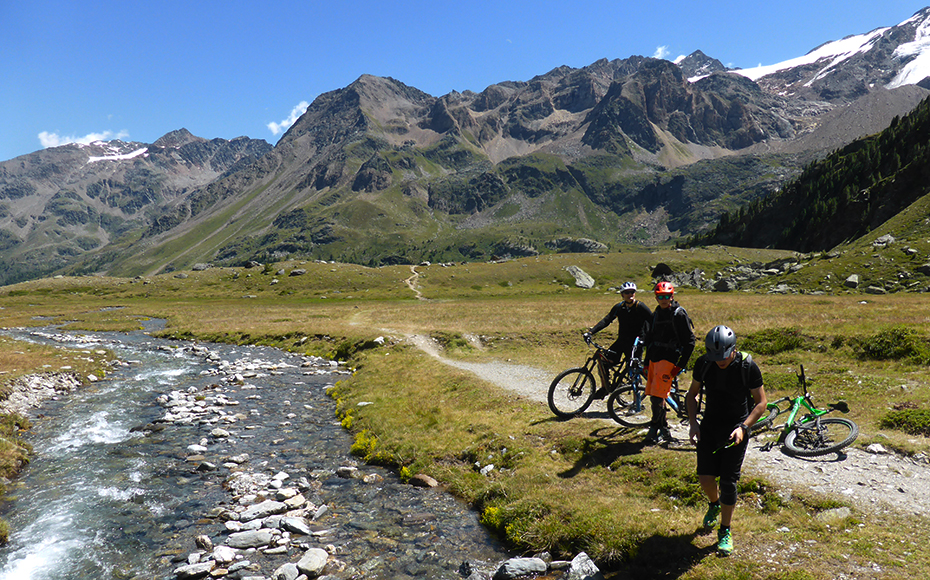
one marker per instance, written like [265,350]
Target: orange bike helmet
[665,288]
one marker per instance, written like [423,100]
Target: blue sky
[108,69]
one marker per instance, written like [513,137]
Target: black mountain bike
[572,391]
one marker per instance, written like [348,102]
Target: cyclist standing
[633,318]
[734,400]
[669,345]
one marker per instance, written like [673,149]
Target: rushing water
[101,500]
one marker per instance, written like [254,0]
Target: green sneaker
[712,515]
[724,541]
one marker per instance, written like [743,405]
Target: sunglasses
[628,292]
[663,296]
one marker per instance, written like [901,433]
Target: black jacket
[670,336]
[632,321]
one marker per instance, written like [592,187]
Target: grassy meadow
[562,486]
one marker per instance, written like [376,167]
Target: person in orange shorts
[668,349]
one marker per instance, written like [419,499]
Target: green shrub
[894,343]
[773,341]
[911,421]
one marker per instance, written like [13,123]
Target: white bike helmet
[627,286]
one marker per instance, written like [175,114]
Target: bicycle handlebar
[589,339]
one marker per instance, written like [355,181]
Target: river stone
[516,567]
[224,555]
[423,480]
[313,562]
[348,472]
[583,568]
[295,502]
[296,526]
[194,570]
[250,539]
[262,510]
[288,571]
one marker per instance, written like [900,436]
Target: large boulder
[582,278]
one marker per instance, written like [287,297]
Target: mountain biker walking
[734,399]
[633,318]
[669,345]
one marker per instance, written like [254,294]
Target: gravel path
[873,480]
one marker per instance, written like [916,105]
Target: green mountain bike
[812,433]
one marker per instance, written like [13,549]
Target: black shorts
[725,463]
[615,354]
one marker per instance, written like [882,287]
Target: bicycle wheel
[766,420]
[571,392]
[630,406]
[811,439]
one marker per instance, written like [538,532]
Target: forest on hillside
[841,197]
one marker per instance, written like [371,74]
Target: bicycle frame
[674,397]
[803,401]
[615,373]
[796,404]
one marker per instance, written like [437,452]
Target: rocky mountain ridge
[634,150]
[59,204]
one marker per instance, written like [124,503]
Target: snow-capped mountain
[843,70]
[654,149]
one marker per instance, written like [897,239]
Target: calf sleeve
[728,490]
[658,411]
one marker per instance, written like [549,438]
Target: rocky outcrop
[576,246]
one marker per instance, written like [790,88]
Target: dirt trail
[873,480]
[411,283]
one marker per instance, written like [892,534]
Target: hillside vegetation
[851,192]
[564,486]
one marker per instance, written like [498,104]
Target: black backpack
[678,308]
[745,365]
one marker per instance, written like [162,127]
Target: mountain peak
[177,138]
[697,65]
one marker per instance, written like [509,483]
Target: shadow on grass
[603,447]
[663,557]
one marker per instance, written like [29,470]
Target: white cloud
[284,125]
[54,139]
[661,52]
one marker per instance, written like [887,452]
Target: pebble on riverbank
[30,391]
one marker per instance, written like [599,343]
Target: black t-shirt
[727,399]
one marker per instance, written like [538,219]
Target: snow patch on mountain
[919,50]
[835,52]
[119,157]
